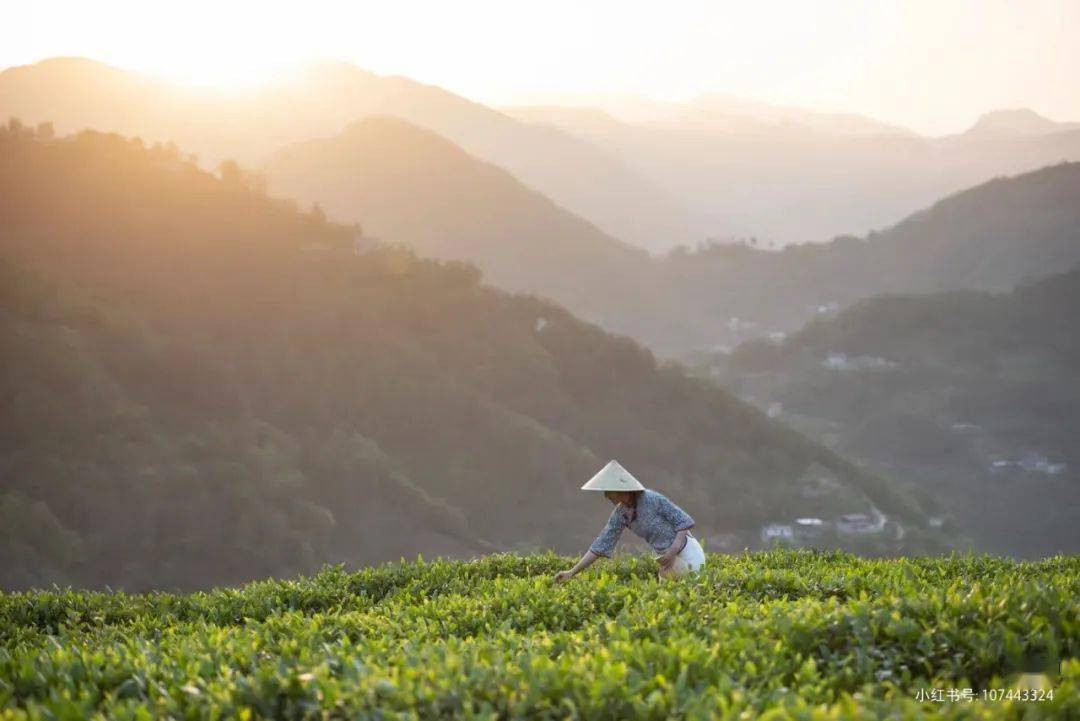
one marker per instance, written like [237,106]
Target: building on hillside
[1042,464]
[738,325]
[809,528]
[856,523]
[775,532]
[827,308]
[842,362]
[1031,464]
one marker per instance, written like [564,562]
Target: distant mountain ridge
[322,99]
[788,175]
[991,237]
[718,111]
[680,173]
[1017,122]
[414,186]
[408,184]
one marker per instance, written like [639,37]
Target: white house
[841,362]
[1042,464]
[826,308]
[809,527]
[777,532]
[856,523]
[738,325]
[1031,464]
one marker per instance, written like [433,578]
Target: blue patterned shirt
[656,519]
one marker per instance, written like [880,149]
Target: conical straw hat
[613,477]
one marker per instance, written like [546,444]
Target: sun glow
[220,73]
[934,65]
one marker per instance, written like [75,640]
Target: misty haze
[334,336]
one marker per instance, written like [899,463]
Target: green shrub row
[796,635]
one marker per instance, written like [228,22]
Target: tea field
[778,635]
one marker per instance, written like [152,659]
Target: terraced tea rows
[781,635]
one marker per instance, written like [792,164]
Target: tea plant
[779,635]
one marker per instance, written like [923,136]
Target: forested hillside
[542,209]
[202,385]
[415,187]
[989,237]
[969,397]
[321,99]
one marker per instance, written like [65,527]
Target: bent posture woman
[650,515]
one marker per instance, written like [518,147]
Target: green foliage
[782,635]
[206,385]
[990,237]
[973,377]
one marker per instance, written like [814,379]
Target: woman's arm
[587,560]
[604,545]
[668,557]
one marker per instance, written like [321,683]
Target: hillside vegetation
[205,385]
[412,186]
[409,184]
[788,175]
[972,398]
[321,99]
[990,237]
[782,635]
[553,210]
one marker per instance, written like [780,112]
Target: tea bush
[780,635]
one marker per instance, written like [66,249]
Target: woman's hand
[668,557]
[587,560]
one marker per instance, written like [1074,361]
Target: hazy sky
[932,65]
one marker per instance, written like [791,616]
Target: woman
[649,514]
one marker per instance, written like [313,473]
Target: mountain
[650,173]
[718,111]
[1017,122]
[411,185]
[322,99]
[989,237]
[724,111]
[790,175]
[968,398]
[203,384]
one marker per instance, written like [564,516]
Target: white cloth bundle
[690,559]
